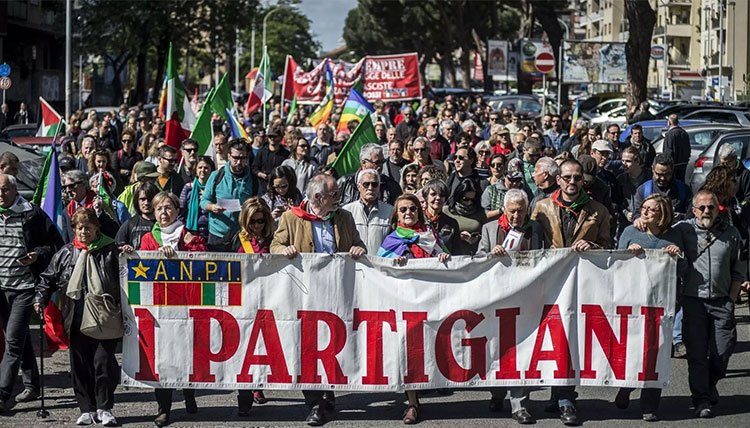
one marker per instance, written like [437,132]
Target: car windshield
[20,132]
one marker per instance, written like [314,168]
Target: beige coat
[295,231]
[592,226]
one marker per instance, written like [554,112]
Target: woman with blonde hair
[256,227]
[657,215]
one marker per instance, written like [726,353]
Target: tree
[642,19]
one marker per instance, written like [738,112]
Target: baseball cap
[514,170]
[67,163]
[601,146]
[503,130]
[146,169]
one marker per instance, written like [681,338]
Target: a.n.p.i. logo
[172,282]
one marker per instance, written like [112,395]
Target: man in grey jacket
[372,216]
[708,294]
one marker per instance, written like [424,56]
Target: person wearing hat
[143,172]
[500,140]
[594,186]
[144,125]
[493,196]
[601,151]
[269,157]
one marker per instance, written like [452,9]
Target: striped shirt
[13,276]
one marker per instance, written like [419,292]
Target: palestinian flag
[174,106]
[50,120]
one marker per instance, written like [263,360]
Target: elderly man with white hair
[371,215]
[728,156]
[370,157]
[470,127]
[545,175]
[513,231]
[407,129]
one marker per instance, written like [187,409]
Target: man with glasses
[234,181]
[75,188]
[371,215]
[571,219]
[555,136]
[269,157]
[189,149]
[514,125]
[422,154]
[126,158]
[439,146]
[396,161]
[220,146]
[448,131]
[318,226]
[494,119]
[370,157]
[169,180]
[545,175]
[613,139]
[407,129]
[711,286]
[602,154]
[532,151]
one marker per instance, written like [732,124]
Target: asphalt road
[136,407]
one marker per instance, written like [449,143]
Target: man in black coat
[370,157]
[677,146]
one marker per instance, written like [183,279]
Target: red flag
[478,69]
[53,328]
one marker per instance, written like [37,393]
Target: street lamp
[560,66]
[265,19]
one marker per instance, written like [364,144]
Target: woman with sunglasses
[282,193]
[254,237]
[483,152]
[464,162]
[463,206]
[300,161]
[411,239]
[497,168]
[657,216]
[195,217]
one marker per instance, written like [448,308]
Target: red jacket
[148,243]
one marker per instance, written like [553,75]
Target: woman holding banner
[656,215]
[411,239]
[168,236]
[82,269]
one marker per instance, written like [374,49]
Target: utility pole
[252,48]
[560,66]
[734,47]
[68,58]
[237,48]
[721,49]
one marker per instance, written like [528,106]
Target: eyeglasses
[467,199]
[493,119]
[370,184]
[170,160]
[303,146]
[496,165]
[573,178]
[555,120]
[432,124]
[280,186]
[127,140]
[190,150]
[258,221]
[412,208]
[419,150]
[238,158]
[378,162]
[71,186]
[485,152]
[703,208]
[460,158]
[646,210]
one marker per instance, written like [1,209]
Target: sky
[327,19]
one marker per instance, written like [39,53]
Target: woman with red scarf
[513,231]
[168,236]
[411,239]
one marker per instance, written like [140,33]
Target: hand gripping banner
[239,321]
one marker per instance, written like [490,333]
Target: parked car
[616,116]
[700,137]
[709,157]
[39,145]
[29,168]
[13,131]
[596,99]
[604,107]
[683,109]
[653,129]
[740,117]
[529,107]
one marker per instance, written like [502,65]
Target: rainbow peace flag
[323,112]
[574,119]
[235,128]
[355,108]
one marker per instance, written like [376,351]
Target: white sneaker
[86,418]
[106,418]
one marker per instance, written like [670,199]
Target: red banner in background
[385,77]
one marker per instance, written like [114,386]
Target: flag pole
[264,79]
[283,88]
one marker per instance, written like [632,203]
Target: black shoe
[317,416]
[714,396]
[162,420]
[27,395]
[679,351]
[622,399]
[523,417]
[190,405]
[703,411]
[244,404]
[552,407]
[496,404]
[3,409]
[568,416]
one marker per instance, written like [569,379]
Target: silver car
[700,137]
[709,157]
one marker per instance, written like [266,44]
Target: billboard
[529,50]
[594,62]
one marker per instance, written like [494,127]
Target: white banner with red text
[328,322]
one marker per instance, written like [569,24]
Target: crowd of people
[443,179]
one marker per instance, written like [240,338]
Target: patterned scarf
[575,207]
[303,212]
[169,235]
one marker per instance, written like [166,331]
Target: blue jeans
[677,329]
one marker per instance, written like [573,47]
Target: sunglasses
[127,140]
[703,208]
[497,165]
[649,209]
[403,210]
[461,157]
[466,199]
[190,150]
[280,186]
[238,158]
[420,150]
[380,162]
[170,160]
[484,152]
[573,178]
[370,184]
[303,146]
[71,186]
[258,221]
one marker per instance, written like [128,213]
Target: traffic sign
[5,83]
[545,62]
[4,70]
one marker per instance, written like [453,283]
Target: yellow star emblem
[140,270]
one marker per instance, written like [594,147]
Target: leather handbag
[102,317]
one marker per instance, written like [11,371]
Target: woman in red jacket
[168,236]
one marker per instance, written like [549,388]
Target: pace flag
[50,120]
[356,108]
[262,86]
[174,106]
[323,112]
[574,119]
[347,162]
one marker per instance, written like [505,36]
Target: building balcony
[596,16]
[679,61]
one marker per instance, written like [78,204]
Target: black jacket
[389,189]
[57,275]
[266,161]
[40,236]
[677,145]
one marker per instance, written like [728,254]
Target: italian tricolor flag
[174,106]
[185,293]
[50,120]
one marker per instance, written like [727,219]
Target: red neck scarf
[302,212]
[432,218]
[504,223]
[88,202]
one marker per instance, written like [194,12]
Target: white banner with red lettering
[229,321]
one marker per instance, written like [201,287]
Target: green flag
[203,132]
[222,99]
[347,161]
[292,109]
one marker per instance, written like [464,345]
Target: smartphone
[475,235]
[25,258]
